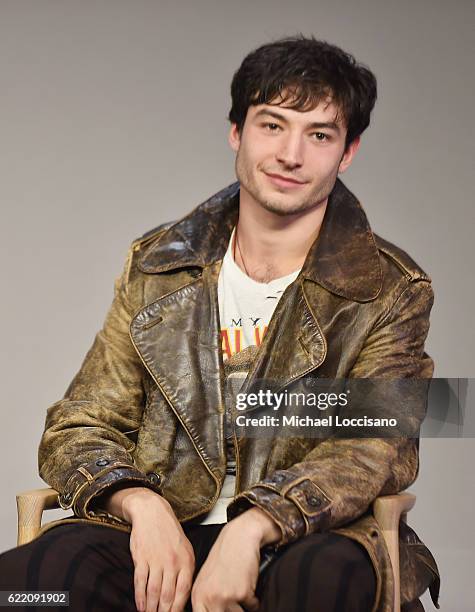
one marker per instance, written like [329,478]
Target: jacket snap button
[314,501]
[102,462]
[154,478]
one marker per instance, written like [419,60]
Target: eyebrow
[316,124]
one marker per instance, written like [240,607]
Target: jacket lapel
[178,339]
[178,336]
[292,346]
[199,239]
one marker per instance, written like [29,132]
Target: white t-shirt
[245,310]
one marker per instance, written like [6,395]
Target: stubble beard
[306,202]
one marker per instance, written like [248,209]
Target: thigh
[90,561]
[319,573]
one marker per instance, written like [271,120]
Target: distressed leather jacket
[147,405]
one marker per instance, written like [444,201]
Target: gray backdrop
[113,120]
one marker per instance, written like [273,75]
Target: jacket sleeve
[338,479]
[87,446]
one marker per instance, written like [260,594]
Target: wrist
[259,526]
[135,501]
[130,501]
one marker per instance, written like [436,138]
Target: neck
[268,246]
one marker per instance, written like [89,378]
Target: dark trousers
[319,573]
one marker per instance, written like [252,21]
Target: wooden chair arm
[388,510]
[30,506]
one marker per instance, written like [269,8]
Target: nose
[290,153]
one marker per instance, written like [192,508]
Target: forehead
[324,112]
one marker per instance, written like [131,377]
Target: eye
[320,136]
[271,127]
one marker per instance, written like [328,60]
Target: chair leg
[388,511]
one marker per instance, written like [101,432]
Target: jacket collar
[344,259]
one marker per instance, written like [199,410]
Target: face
[287,160]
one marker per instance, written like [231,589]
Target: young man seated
[277,277]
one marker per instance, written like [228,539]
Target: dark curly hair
[301,72]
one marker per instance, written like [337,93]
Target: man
[275,278]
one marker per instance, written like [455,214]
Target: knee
[352,569]
[64,555]
[323,571]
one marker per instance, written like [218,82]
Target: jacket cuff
[297,505]
[91,480]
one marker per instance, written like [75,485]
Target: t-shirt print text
[234,337]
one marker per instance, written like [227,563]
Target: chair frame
[388,510]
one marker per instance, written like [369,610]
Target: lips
[285,181]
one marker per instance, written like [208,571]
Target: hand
[163,556]
[229,575]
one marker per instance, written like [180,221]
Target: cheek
[254,157]
[262,146]
[323,162]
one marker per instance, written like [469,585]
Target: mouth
[284,181]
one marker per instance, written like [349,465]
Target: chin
[283,208]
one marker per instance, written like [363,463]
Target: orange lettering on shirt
[258,335]
[237,340]
[226,346]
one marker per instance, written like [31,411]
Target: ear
[234,138]
[349,154]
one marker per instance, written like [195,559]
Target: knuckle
[183,588]
[152,589]
[166,598]
[172,561]
[139,578]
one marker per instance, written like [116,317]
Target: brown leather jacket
[147,405]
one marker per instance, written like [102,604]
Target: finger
[182,591]
[251,603]
[154,587]
[140,583]
[167,593]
